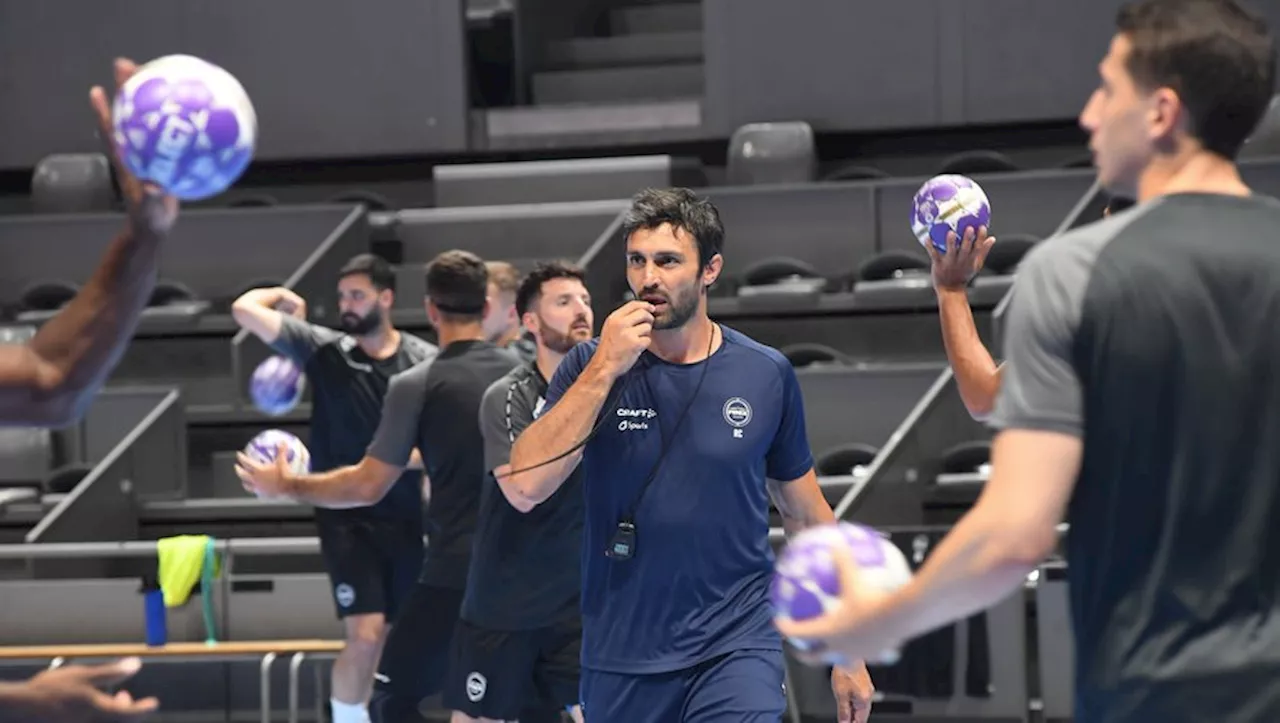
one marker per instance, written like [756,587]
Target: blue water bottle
[153,602]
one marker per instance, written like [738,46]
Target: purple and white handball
[185,125]
[262,449]
[948,203]
[806,583]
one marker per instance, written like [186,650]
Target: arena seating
[153,459]
[518,129]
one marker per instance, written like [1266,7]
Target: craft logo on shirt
[737,412]
[632,420]
[537,408]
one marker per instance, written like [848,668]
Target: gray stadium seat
[977,162]
[72,183]
[551,181]
[772,153]
[26,456]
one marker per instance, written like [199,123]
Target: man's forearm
[977,376]
[338,489]
[551,435]
[978,564]
[82,344]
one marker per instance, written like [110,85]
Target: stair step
[653,82]
[549,126]
[665,18]
[625,50]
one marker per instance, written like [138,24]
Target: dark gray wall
[362,80]
[900,64]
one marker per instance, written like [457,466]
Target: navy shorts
[746,686]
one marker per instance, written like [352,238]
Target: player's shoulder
[414,375]
[416,349]
[748,349]
[1084,241]
[579,355]
[518,376]
[323,335]
[520,382]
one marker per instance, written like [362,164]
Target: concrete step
[654,82]
[664,18]
[591,124]
[625,50]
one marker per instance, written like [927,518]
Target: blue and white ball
[185,125]
[806,582]
[277,385]
[945,204]
[262,449]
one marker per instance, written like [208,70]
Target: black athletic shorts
[501,674]
[372,564]
[416,655]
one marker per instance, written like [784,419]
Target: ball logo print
[476,686]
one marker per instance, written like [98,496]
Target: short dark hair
[531,288]
[457,283]
[375,267]
[1218,57]
[681,208]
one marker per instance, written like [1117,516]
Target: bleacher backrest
[845,405]
[26,456]
[569,180]
[511,233]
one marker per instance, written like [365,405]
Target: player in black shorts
[435,406]
[519,639]
[1140,399]
[373,552]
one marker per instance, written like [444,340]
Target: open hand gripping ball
[948,203]
[276,385]
[185,125]
[262,449]
[806,582]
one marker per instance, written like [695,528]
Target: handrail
[147,548]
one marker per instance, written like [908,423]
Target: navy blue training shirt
[697,585]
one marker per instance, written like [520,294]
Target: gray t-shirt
[525,570]
[435,406]
[347,392]
[1152,336]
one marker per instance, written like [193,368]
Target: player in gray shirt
[1140,400]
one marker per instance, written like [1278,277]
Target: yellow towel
[182,560]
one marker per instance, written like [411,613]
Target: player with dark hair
[502,321]
[519,638]
[1139,400]
[373,552]
[49,382]
[689,428]
[434,406]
